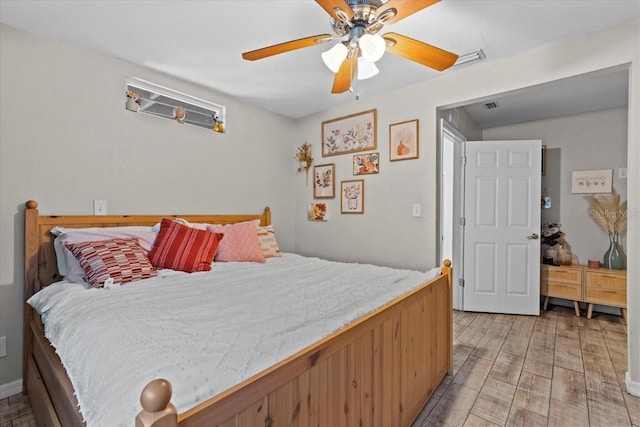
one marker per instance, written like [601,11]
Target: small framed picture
[365,164]
[403,140]
[324,181]
[352,196]
[317,212]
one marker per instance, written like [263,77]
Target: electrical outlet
[99,207]
[3,346]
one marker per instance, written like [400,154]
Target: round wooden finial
[267,209]
[31,204]
[446,263]
[156,395]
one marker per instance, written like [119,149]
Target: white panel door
[502,224]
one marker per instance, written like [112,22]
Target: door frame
[457,205]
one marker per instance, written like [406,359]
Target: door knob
[533,236]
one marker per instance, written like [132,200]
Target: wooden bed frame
[378,371]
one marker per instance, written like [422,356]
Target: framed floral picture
[352,196]
[324,181]
[403,140]
[350,134]
[365,164]
[317,212]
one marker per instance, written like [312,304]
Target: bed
[377,370]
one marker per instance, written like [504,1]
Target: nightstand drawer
[614,298]
[561,290]
[563,275]
[605,280]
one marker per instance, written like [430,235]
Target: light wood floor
[552,370]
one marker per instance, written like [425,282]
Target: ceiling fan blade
[419,52]
[286,47]
[344,76]
[404,8]
[330,5]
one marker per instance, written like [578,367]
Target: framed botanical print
[352,196]
[350,134]
[365,164]
[317,212]
[403,140]
[324,181]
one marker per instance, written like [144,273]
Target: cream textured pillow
[268,244]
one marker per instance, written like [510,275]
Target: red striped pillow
[123,260]
[183,248]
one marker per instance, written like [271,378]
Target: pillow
[240,242]
[198,225]
[267,240]
[68,265]
[183,248]
[123,260]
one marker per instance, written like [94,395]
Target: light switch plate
[99,207]
[416,210]
[622,173]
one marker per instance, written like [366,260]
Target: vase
[614,258]
[132,105]
[552,252]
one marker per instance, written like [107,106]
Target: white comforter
[204,332]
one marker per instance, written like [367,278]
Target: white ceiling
[202,41]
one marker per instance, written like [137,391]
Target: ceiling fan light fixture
[366,69]
[372,47]
[333,57]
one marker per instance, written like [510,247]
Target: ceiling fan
[357,23]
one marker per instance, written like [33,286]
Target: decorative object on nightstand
[303,155]
[557,246]
[611,215]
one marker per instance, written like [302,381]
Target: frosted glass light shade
[333,57]
[366,69]
[372,47]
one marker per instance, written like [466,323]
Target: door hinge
[463,160]
[461,282]
[462,221]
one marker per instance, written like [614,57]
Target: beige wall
[66,139]
[595,140]
[387,233]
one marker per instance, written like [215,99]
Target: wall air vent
[491,105]
[159,101]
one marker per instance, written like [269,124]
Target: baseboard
[14,387]
[633,387]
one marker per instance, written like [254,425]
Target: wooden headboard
[39,256]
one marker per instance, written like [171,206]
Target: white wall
[595,140]
[66,139]
[387,233]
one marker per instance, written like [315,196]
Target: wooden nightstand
[561,282]
[606,287]
[581,283]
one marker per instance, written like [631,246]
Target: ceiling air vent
[491,105]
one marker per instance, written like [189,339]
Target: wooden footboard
[379,371]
